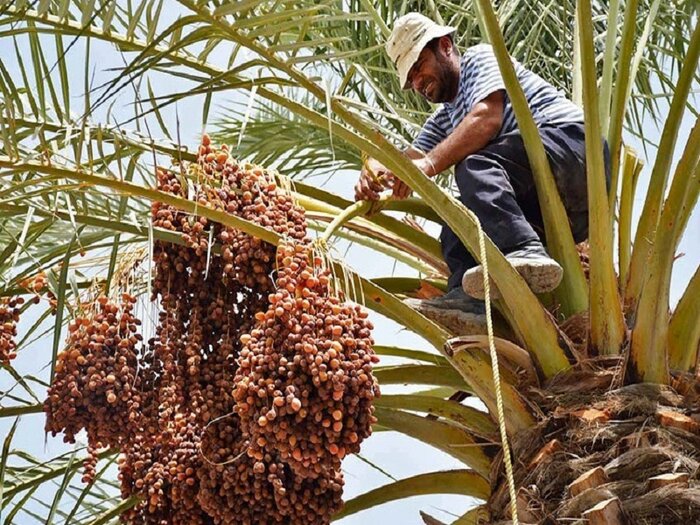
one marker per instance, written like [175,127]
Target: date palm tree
[598,387]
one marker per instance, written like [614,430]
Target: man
[475,131]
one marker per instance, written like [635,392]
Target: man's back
[479,77]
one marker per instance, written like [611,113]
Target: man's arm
[480,125]
[475,131]
[413,154]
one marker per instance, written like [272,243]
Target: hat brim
[407,61]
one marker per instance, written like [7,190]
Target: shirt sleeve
[434,131]
[483,75]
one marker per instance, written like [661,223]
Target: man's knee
[479,174]
[469,177]
[467,167]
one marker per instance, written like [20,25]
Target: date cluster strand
[257,382]
[10,309]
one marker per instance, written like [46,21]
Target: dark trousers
[497,185]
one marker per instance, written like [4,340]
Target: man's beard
[446,83]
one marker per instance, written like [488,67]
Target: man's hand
[374,177]
[401,189]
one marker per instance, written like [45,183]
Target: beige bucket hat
[411,33]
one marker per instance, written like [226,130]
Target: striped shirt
[479,77]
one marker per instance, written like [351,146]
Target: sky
[394,453]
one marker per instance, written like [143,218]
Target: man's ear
[446,45]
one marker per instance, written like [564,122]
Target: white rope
[497,375]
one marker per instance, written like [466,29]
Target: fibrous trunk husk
[606,454]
